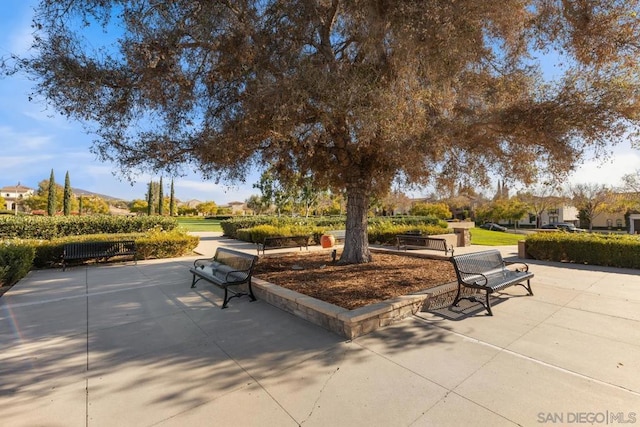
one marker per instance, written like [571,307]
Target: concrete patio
[134,345]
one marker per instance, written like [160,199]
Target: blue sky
[35,139]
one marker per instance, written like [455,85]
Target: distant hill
[79,192]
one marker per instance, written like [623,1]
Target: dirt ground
[353,286]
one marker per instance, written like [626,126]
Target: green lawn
[480,236]
[199,224]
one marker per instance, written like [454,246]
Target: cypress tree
[160,199]
[51,199]
[66,201]
[172,202]
[80,206]
[150,199]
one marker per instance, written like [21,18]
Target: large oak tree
[357,93]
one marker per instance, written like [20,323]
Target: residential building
[13,196]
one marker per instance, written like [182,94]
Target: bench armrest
[201,262]
[229,273]
[475,274]
[521,266]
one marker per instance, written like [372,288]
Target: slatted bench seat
[226,268]
[98,250]
[487,271]
[284,242]
[423,242]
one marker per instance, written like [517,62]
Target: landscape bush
[47,228]
[381,232]
[152,244]
[165,244]
[16,259]
[385,234]
[258,233]
[317,225]
[231,226]
[586,248]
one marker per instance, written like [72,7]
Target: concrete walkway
[134,345]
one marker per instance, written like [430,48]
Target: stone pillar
[464,236]
[522,250]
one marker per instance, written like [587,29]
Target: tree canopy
[357,94]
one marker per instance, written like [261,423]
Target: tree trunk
[356,243]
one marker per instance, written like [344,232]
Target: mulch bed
[353,286]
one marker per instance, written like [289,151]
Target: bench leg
[226,298]
[529,287]
[488,305]
[457,299]
[251,295]
[193,281]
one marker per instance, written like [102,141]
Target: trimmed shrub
[153,244]
[258,233]
[47,228]
[386,233]
[16,259]
[163,244]
[586,248]
[381,233]
[300,225]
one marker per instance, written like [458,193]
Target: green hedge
[586,248]
[47,228]
[315,225]
[16,259]
[385,234]
[380,233]
[231,226]
[19,256]
[153,244]
[258,233]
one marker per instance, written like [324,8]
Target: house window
[619,223]
[609,223]
[554,212]
[553,219]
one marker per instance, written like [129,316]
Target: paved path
[134,345]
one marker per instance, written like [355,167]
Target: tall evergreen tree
[80,206]
[66,200]
[161,199]
[172,201]
[51,198]
[150,199]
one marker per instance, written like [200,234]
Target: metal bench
[98,250]
[487,271]
[423,242]
[284,242]
[226,268]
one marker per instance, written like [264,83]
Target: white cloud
[609,172]
[22,142]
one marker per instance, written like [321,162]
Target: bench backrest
[285,240]
[468,266]
[123,246]
[236,260]
[104,248]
